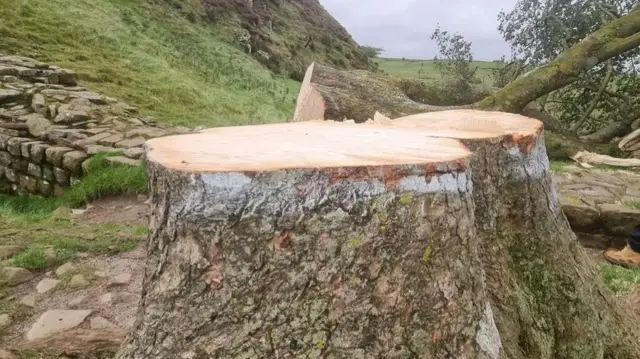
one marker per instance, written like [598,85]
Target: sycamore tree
[603,97]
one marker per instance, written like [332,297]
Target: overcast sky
[404,27]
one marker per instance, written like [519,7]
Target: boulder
[618,220]
[37,125]
[9,95]
[55,321]
[72,161]
[9,251]
[17,275]
[54,155]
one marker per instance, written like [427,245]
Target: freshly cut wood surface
[470,124]
[312,144]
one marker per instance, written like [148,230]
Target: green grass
[559,166]
[102,179]
[426,70]
[150,55]
[620,280]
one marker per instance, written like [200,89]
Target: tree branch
[596,98]
[619,36]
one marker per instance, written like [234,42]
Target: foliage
[371,51]
[455,63]
[539,31]
[507,72]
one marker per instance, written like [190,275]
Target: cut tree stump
[437,236]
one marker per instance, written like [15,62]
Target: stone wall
[49,127]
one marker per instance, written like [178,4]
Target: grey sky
[403,27]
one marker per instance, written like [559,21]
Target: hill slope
[173,59]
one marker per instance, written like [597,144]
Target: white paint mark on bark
[487,336]
[445,183]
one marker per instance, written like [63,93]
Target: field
[151,55]
[426,70]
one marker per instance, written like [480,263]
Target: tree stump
[311,240]
[548,298]
[436,236]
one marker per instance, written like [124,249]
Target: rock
[4,354]
[46,285]
[5,321]
[78,281]
[9,251]
[581,216]
[37,152]
[25,148]
[54,155]
[141,198]
[120,279]
[45,188]
[9,95]
[65,268]
[134,152]
[10,175]
[75,302]
[111,140]
[66,115]
[47,173]
[14,145]
[100,274]
[619,220]
[93,139]
[131,142]
[39,104]
[146,133]
[50,255]
[121,160]
[28,183]
[55,321]
[28,300]
[61,176]
[34,170]
[78,212]
[38,125]
[100,323]
[5,158]
[95,149]
[17,275]
[115,298]
[72,161]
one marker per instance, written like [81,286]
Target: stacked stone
[49,127]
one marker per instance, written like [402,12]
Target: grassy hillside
[159,56]
[426,70]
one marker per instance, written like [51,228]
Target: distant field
[412,69]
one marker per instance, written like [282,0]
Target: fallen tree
[332,94]
[313,240]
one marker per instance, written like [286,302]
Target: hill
[181,62]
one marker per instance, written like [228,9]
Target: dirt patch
[119,210]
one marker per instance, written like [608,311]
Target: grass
[426,70]
[152,56]
[620,280]
[102,179]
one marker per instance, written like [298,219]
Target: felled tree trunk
[313,240]
[548,299]
[310,240]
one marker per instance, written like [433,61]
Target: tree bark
[547,296]
[447,242]
[339,250]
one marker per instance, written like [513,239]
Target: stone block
[62,177]
[37,152]
[72,161]
[121,160]
[29,183]
[95,149]
[5,158]
[111,140]
[135,152]
[146,132]
[10,175]
[58,190]
[20,164]
[25,148]
[38,125]
[45,188]
[34,170]
[131,142]
[93,139]
[47,173]
[39,104]
[3,141]
[54,155]
[14,145]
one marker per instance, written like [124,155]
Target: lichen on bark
[313,263]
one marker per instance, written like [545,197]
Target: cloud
[403,27]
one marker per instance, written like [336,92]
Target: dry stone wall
[50,127]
